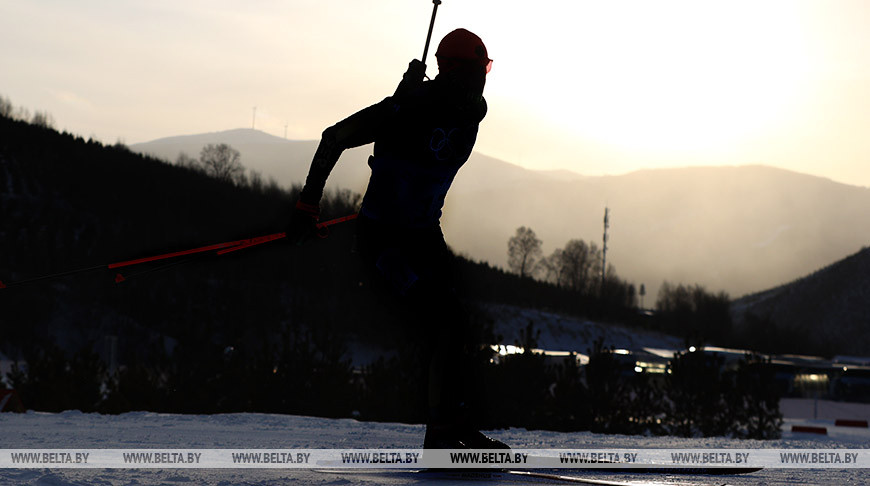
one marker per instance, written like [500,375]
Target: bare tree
[21,114]
[222,162]
[642,294]
[524,252]
[272,187]
[551,267]
[693,311]
[187,162]
[616,291]
[580,265]
[42,119]
[6,107]
[256,181]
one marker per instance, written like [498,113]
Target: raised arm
[358,129]
[361,128]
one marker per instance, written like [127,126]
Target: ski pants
[416,267]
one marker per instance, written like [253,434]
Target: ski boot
[457,437]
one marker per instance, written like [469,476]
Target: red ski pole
[218,248]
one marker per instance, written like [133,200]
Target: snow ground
[824,410]
[251,431]
[143,430]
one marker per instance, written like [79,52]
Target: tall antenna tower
[254,120]
[604,249]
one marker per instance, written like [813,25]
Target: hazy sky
[598,87]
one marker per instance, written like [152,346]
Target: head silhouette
[463,62]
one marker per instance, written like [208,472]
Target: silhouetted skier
[422,134]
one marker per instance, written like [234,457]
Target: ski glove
[412,79]
[303,223]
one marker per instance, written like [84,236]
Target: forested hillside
[825,312]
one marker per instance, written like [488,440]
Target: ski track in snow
[145,430]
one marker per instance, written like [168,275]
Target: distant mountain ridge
[738,229]
[239,136]
[288,160]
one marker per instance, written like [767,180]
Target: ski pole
[277,236]
[218,248]
[431,26]
[224,248]
[227,247]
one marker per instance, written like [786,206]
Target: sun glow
[671,81]
[654,76]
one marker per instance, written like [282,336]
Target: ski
[601,467]
[674,470]
[523,476]
[529,477]
[662,469]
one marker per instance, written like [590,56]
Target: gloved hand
[303,223]
[412,78]
[416,70]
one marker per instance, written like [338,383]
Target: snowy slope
[566,333]
[251,431]
[558,332]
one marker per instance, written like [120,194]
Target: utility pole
[604,249]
